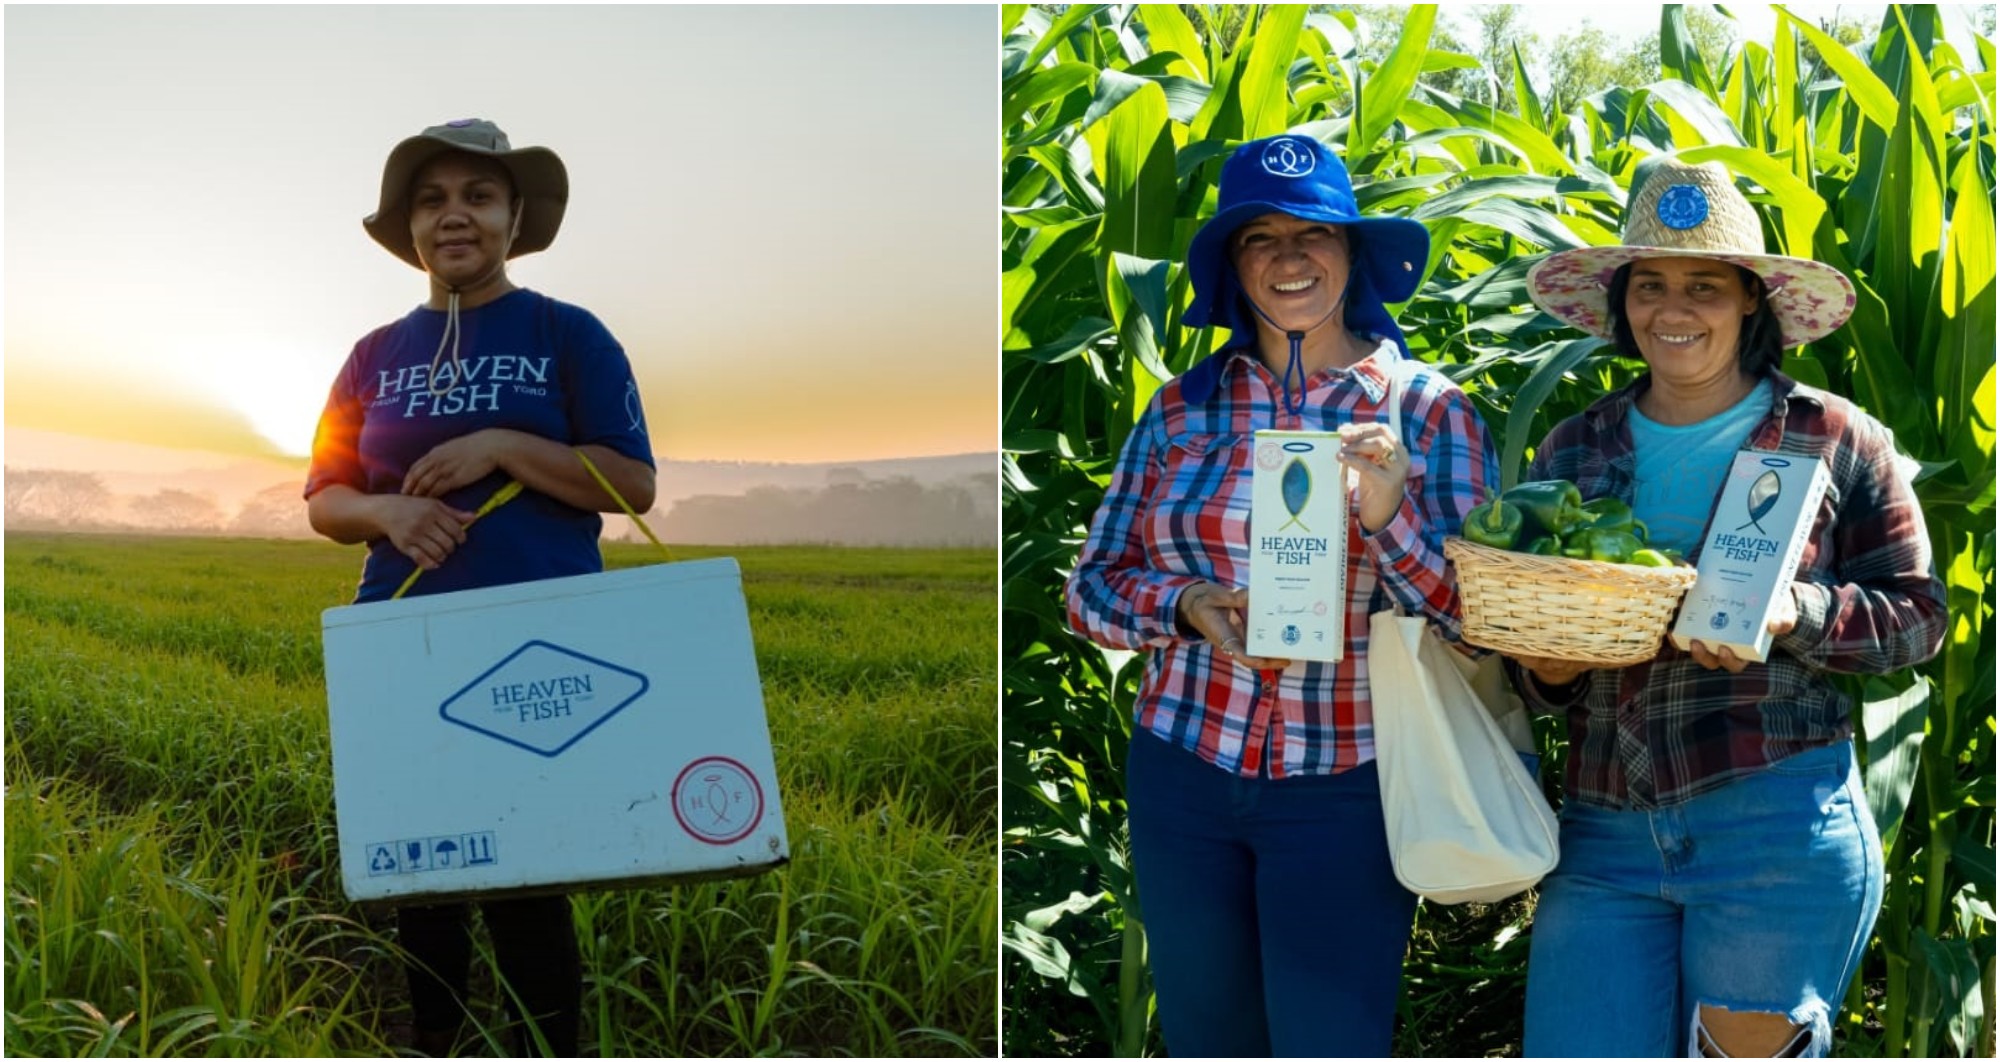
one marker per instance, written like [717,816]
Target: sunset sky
[785,214]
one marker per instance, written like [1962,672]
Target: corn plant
[1114,122]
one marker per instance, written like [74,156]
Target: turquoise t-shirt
[1681,467]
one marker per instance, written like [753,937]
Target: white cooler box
[594,730]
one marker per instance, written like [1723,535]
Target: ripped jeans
[1755,897]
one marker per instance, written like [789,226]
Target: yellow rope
[506,494]
[620,499]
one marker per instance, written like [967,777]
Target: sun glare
[279,392]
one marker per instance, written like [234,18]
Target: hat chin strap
[1294,362]
[452,331]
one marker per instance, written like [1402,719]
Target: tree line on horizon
[852,509]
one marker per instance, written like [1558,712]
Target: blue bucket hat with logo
[1300,176]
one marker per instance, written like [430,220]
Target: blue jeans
[1274,924]
[1755,897]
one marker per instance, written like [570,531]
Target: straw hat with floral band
[540,181]
[1684,211]
[541,186]
[1298,175]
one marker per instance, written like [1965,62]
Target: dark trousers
[534,944]
[1274,923]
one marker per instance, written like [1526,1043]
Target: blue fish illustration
[1763,497]
[1296,486]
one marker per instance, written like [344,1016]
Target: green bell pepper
[1651,558]
[1553,505]
[1496,523]
[1611,547]
[1607,514]
[1544,546]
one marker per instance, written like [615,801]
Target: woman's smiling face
[1293,268]
[1686,316]
[462,218]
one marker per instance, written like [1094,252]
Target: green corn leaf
[1892,730]
[1249,96]
[1532,223]
[1905,264]
[1965,357]
[1133,149]
[1800,208]
[1047,957]
[1553,360]
[1041,919]
[1954,969]
[1525,98]
[1054,250]
[1518,186]
[1113,88]
[1167,30]
[1697,114]
[1072,17]
[1040,86]
[1972,858]
[1786,104]
[1876,100]
[1010,16]
[1967,90]
[1678,56]
[1439,61]
[1080,336]
[1540,151]
[1382,95]
[1145,281]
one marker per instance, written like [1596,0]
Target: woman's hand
[1550,671]
[1216,612]
[1381,467]
[456,463]
[422,529]
[1784,616]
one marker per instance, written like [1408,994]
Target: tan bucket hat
[1687,211]
[539,179]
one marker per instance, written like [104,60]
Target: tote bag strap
[513,488]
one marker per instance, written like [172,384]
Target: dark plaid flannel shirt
[1659,733]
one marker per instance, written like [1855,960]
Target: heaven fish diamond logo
[544,698]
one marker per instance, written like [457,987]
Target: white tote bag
[1466,820]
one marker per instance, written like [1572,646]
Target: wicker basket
[1609,615]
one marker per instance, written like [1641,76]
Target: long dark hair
[1759,348]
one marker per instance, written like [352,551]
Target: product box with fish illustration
[1298,547]
[1751,554]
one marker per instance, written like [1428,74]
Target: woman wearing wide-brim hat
[1274,922]
[431,415]
[1720,869]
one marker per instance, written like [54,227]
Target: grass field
[171,869]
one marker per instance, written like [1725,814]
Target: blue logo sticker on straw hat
[1682,207]
[1288,157]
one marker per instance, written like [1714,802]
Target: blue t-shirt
[1680,468]
[531,364]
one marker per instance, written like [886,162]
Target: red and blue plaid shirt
[1178,513]
[1659,733]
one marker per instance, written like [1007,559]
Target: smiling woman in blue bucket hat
[431,416]
[1274,922]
